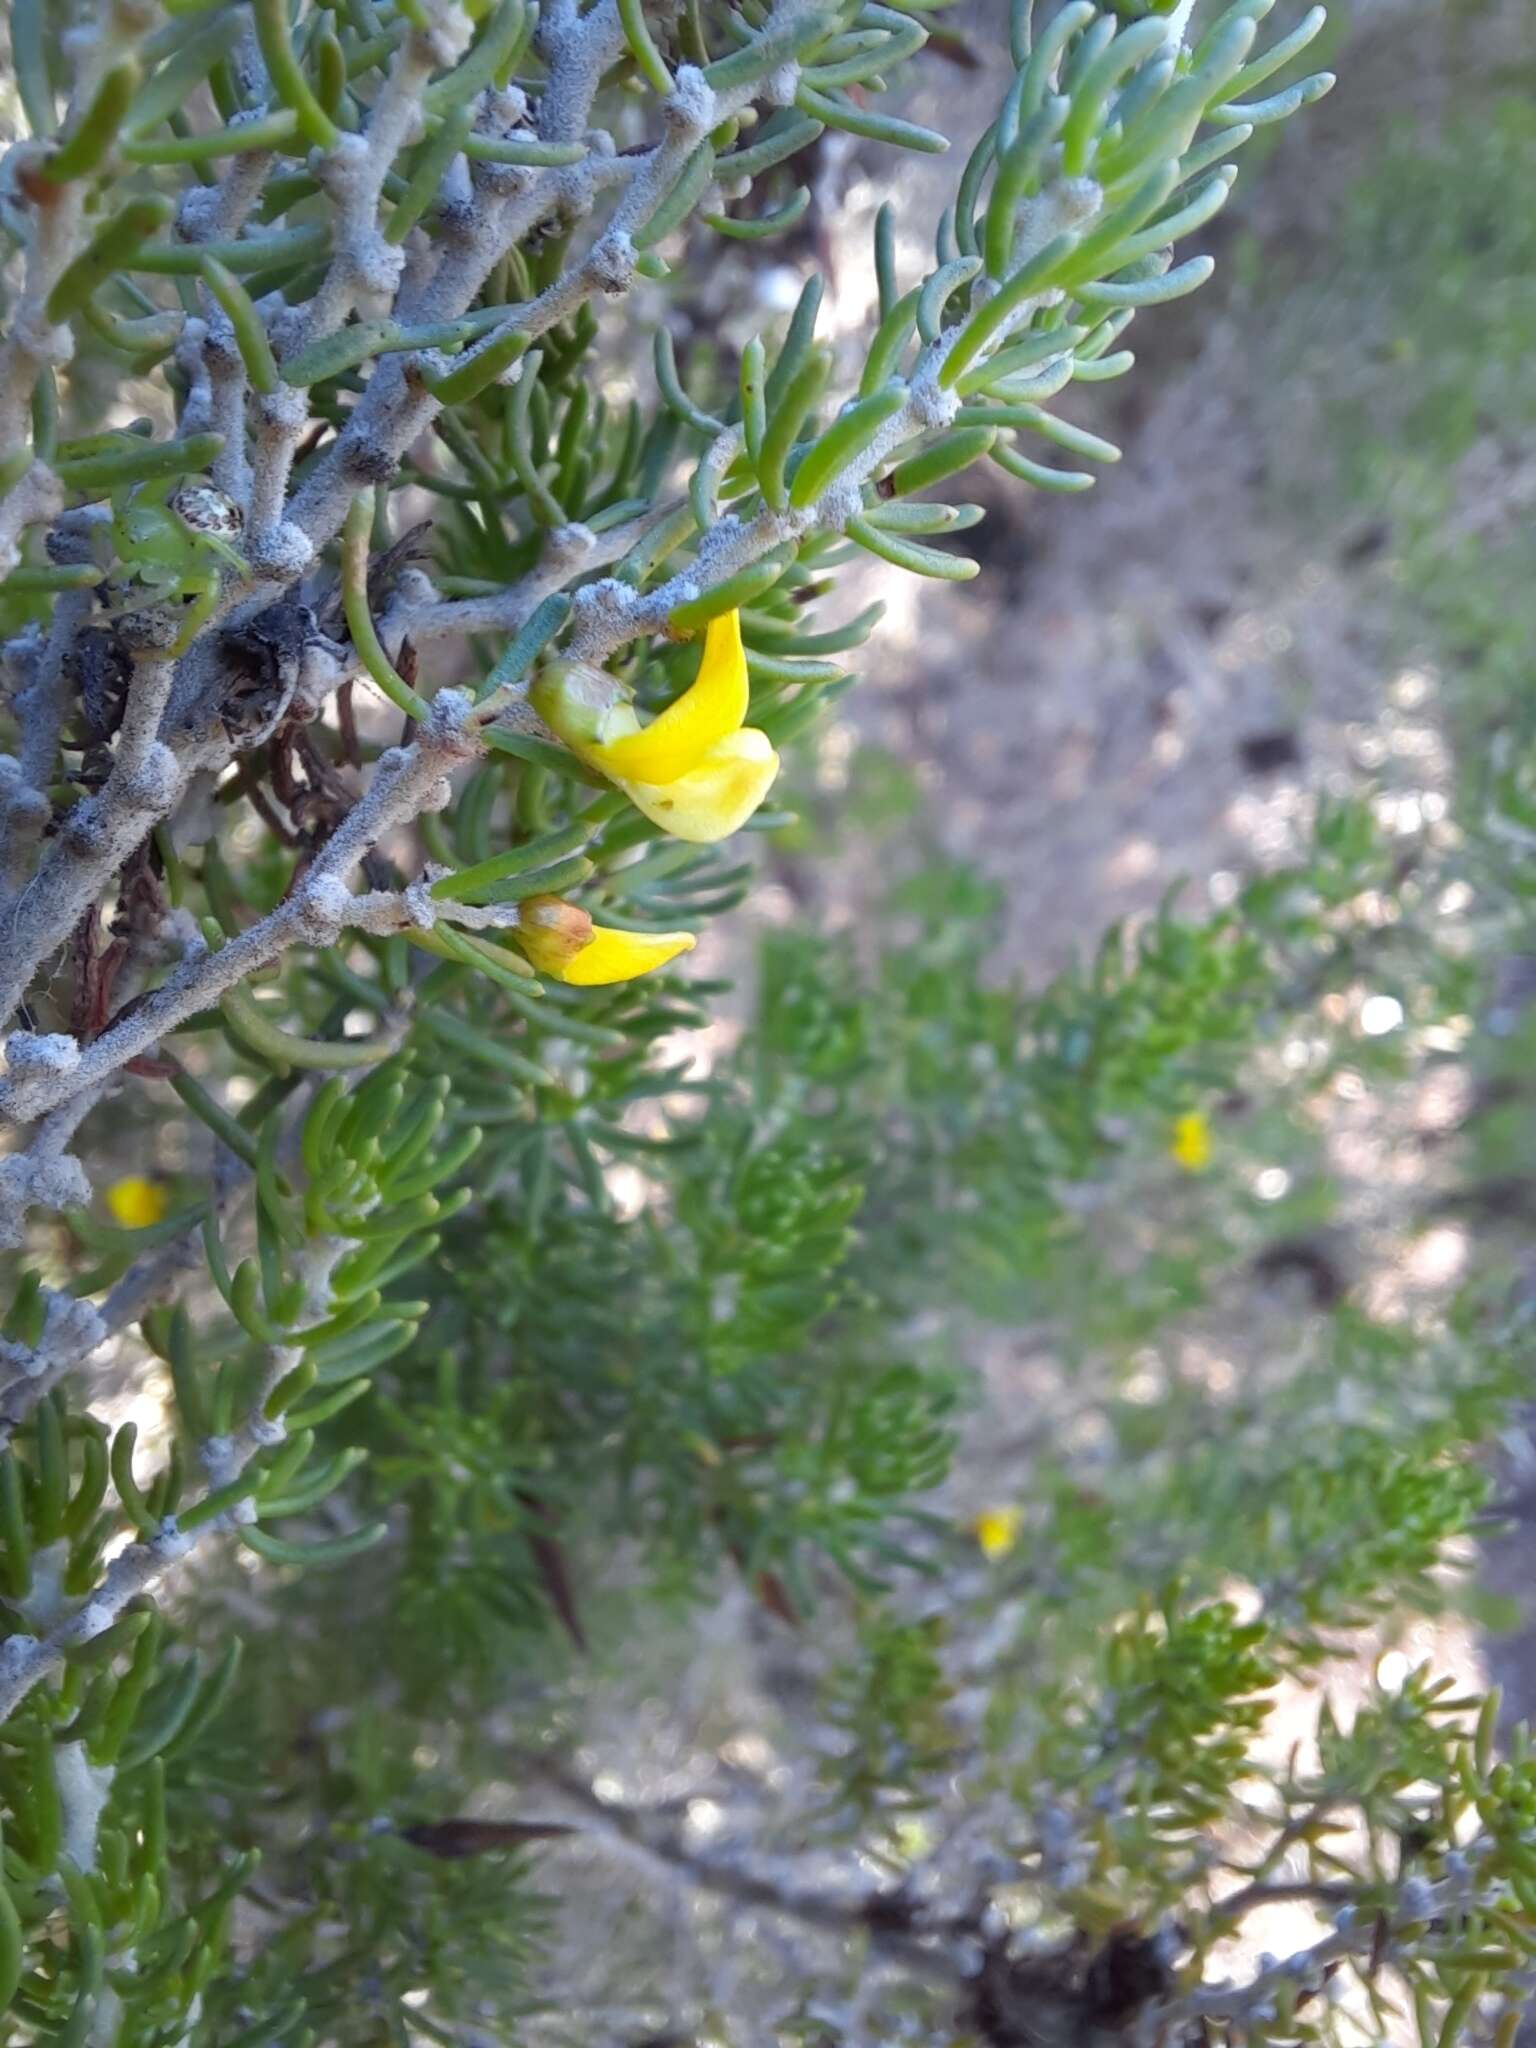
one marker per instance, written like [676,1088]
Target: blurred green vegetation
[1417,325]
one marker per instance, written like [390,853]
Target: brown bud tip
[563,927]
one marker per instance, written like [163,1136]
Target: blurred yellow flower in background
[1191,1143]
[136,1202]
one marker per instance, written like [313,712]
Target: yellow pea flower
[561,941]
[1190,1146]
[997,1531]
[712,708]
[717,797]
[696,770]
[136,1202]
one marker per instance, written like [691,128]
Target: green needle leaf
[784,423]
[80,152]
[844,441]
[250,332]
[1034,277]
[642,45]
[354,594]
[138,463]
[938,291]
[836,112]
[288,80]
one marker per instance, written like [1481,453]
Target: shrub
[384,693]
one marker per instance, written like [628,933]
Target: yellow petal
[709,710]
[606,956]
[996,1531]
[621,956]
[1191,1143]
[136,1202]
[716,797]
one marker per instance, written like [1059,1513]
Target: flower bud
[558,929]
[575,700]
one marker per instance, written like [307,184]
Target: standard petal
[718,796]
[709,710]
[618,956]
